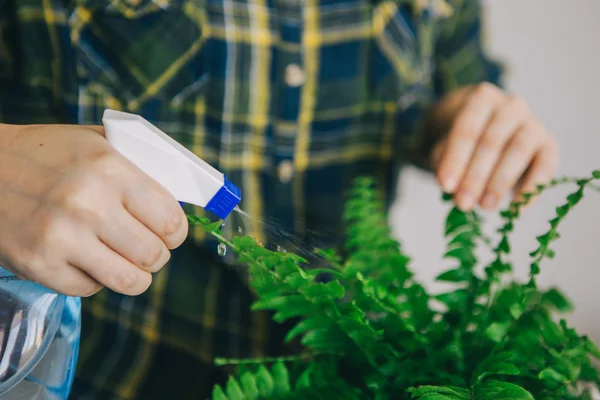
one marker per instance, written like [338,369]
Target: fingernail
[465,201]
[489,200]
[449,183]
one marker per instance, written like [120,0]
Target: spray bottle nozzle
[187,177]
[225,200]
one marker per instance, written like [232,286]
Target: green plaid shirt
[290,99]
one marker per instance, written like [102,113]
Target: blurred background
[552,49]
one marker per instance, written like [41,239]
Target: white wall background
[553,49]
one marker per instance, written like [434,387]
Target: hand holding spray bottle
[39,329]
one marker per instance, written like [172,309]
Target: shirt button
[285,171]
[294,75]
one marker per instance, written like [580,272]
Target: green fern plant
[371,331]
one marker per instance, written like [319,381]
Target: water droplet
[281,249]
[221,249]
[223,224]
[240,230]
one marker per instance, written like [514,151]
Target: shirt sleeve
[20,102]
[7,33]
[460,60]
[461,57]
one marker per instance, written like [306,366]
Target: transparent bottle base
[39,340]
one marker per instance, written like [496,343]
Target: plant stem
[221,361]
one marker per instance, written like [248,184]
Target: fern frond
[371,330]
[276,384]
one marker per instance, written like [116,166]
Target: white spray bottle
[188,178]
[40,329]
